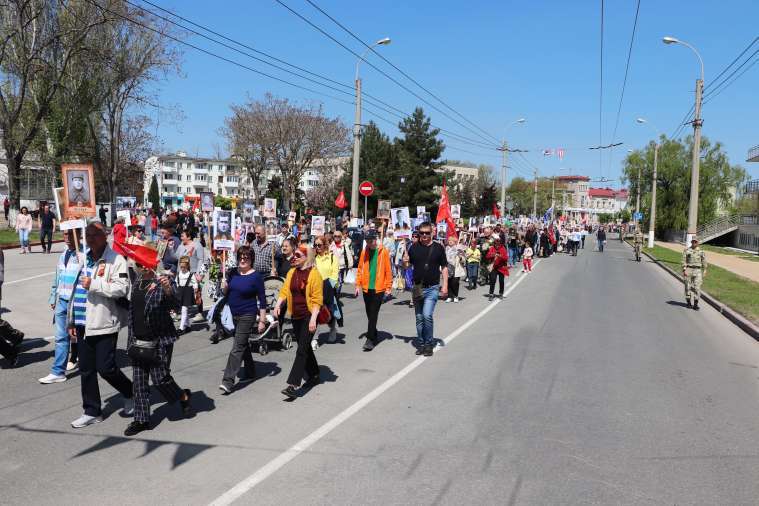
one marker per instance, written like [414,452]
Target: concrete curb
[739,320]
[14,246]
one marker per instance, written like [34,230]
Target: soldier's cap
[77,177]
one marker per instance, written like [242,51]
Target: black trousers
[7,349]
[453,287]
[372,304]
[46,233]
[305,360]
[97,355]
[494,274]
[240,350]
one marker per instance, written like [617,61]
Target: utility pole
[637,201]
[504,150]
[356,149]
[652,218]
[535,194]
[693,205]
[553,194]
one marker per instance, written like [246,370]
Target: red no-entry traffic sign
[366,188]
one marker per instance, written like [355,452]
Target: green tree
[153,197]
[717,181]
[605,218]
[419,151]
[222,202]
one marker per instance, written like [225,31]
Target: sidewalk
[736,265]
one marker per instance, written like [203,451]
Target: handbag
[144,352]
[324,316]
[198,297]
[417,291]
[350,277]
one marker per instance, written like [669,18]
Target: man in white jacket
[106,279]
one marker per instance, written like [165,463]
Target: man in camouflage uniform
[694,270]
[638,243]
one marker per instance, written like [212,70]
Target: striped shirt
[68,266]
[80,299]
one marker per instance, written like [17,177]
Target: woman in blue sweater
[246,298]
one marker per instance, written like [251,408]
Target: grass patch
[732,290]
[726,251]
[9,237]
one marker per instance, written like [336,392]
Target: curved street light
[697,122]
[652,220]
[357,131]
[505,149]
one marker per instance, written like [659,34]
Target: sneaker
[368,345]
[136,427]
[85,420]
[198,318]
[128,407]
[419,350]
[490,296]
[456,300]
[71,366]
[225,390]
[314,344]
[429,350]
[448,300]
[52,378]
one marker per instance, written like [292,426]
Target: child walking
[187,285]
[527,258]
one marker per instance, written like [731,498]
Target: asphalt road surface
[591,383]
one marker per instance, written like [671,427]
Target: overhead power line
[624,81]
[404,74]
[388,76]
[601,92]
[385,106]
[688,116]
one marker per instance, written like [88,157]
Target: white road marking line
[27,279]
[304,444]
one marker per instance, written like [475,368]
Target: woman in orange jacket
[375,278]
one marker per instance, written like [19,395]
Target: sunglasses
[425,233]
[298,256]
[319,245]
[245,257]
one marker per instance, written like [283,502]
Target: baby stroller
[221,318]
[274,332]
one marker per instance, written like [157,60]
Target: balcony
[753,154]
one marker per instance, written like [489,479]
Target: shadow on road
[677,303]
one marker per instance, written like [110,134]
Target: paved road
[589,384]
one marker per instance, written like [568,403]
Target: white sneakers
[85,420]
[314,344]
[52,378]
[71,366]
[456,299]
[448,300]
[198,318]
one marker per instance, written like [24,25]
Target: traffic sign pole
[365,198]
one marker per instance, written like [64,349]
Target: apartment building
[182,178]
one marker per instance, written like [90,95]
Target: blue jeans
[23,237]
[61,338]
[472,271]
[424,312]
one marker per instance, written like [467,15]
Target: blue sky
[493,62]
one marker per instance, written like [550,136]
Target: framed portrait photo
[78,191]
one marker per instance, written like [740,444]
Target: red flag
[143,255]
[340,200]
[444,212]
[496,212]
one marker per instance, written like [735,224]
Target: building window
[232,179]
[188,177]
[168,177]
[199,177]
[169,164]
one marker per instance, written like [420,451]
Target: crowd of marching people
[151,276]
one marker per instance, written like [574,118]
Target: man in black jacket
[601,238]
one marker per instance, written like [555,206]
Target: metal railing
[753,154]
[717,227]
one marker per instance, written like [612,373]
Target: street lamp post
[652,219]
[357,132]
[505,149]
[697,122]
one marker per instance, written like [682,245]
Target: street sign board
[366,188]
[638,216]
